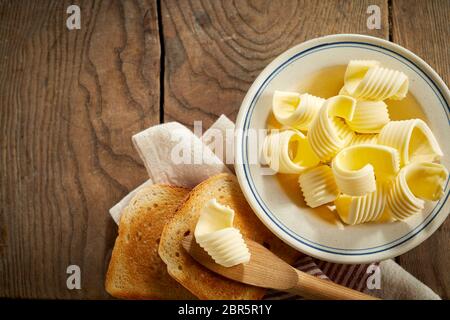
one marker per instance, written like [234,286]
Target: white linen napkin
[166,148]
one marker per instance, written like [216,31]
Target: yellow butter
[370,207]
[356,167]
[366,80]
[295,110]
[214,232]
[318,186]
[415,183]
[373,169]
[369,117]
[426,180]
[329,133]
[364,139]
[288,151]
[413,139]
[356,69]
[343,92]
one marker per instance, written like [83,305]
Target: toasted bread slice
[136,271]
[201,282]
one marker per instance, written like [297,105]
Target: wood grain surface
[424,28]
[70,100]
[215,49]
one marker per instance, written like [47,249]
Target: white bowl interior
[320,228]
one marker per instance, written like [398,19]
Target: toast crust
[203,283]
[135,270]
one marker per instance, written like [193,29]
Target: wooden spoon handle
[311,287]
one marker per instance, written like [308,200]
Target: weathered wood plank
[424,28]
[215,49]
[70,101]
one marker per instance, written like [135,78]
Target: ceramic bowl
[278,202]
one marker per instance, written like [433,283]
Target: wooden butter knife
[266,270]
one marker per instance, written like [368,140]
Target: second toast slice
[197,279]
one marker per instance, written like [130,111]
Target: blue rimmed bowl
[277,200]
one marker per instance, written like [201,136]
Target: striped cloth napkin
[156,146]
[353,276]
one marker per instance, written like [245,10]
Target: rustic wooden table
[71,99]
